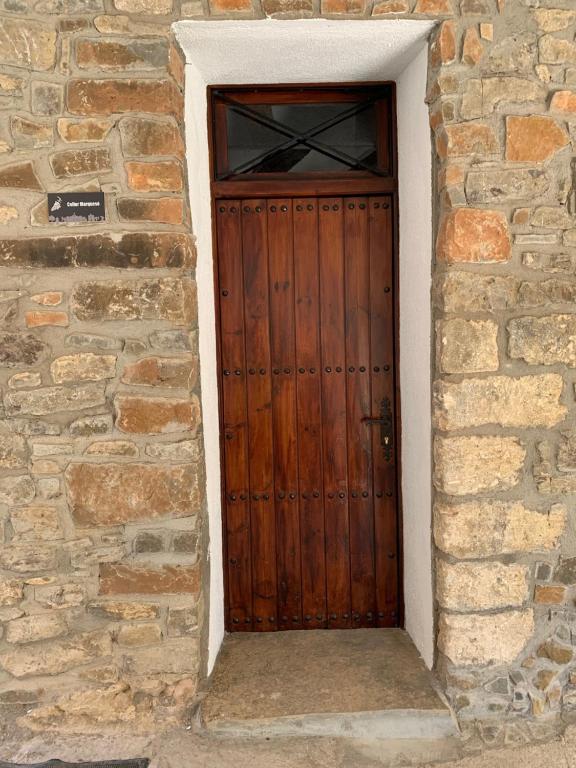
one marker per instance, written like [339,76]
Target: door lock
[386,427]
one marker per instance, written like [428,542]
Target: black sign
[76,206]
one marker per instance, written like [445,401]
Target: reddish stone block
[155,177]
[20,176]
[154,416]
[39,318]
[114,493]
[549,595]
[106,97]
[126,579]
[161,372]
[473,235]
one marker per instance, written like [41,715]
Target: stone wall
[103,572]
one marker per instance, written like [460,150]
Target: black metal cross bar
[296,137]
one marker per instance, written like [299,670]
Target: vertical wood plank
[383,386]
[260,434]
[233,390]
[309,413]
[283,363]
[334,432]
[357,288]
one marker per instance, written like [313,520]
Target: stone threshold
[368,684]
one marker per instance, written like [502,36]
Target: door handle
[386,427]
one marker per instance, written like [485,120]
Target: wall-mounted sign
[76,206]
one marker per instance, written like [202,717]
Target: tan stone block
[13,451]
[472,50]
[48,298]
[527,401]
[471,292]
[84,366]
[564,101]
[183,450]
[79,131]
[126,579]
[345,7]
[124,611]
[163,210]
[11,591]
[112,448]
[467,465]
[37,318]
[470,587]
[533,138]
[79,162]
[555,652]
[486,528]
[174,657]
[552,217]
[55,657]
[139,634]
[60,596]
[144,7]
[487,31]
[43,626]
[467,346]
[36,523]
[40,402]
[385,7]
[554,19]
[506,186]
[97,707]
[142,136]
[434,7]
[29,558]
[155,177]
[543,340]
[16,490]
[464,139]
[8,214]
[31,45]
[546,293]
[549,594]
[484,639]
[148,415]
[472,102]
[473,235]
[168,299]
[555,50]
[31,134]
[109,494]
[509,90]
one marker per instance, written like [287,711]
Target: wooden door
[307,346]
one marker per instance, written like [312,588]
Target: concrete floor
[186,750]
[359,682]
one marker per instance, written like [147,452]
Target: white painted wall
[317,50]
[415,193]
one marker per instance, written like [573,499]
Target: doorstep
[359,683]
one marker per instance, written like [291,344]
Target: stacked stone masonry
[103,531]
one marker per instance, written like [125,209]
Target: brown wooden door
[307,345]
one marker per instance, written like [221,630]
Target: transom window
[301,133]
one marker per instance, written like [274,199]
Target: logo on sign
[76,207]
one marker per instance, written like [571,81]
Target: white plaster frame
[318,50]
